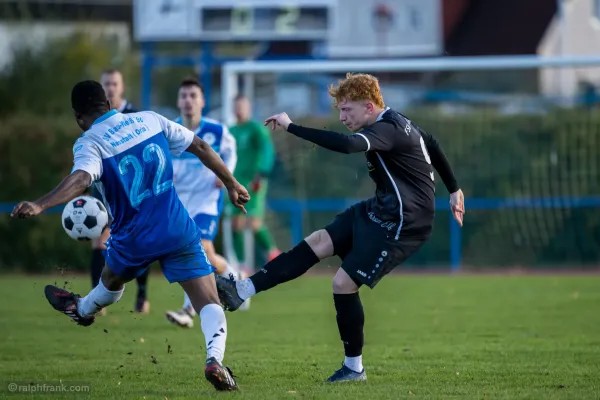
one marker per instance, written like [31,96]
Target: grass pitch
[482,337]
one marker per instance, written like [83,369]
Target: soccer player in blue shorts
[129,159]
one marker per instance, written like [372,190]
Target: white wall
[581,37]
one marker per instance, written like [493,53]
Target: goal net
[522,132]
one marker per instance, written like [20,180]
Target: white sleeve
[87,157]
[178,136]
[228,149]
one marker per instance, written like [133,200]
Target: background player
[198,188]
[114,87]
[129,157]
[255,161]
[373,236]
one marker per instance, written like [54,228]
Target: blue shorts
[208,225]
[184,264]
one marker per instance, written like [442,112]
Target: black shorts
[368,250]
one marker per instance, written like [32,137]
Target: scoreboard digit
[241,20]
[287,20]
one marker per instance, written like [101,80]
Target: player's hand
[278,120]
[457,206]
[26,209]
[219,183]
[238,195]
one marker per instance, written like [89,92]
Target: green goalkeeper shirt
[255,151]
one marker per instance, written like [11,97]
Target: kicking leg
[82,310]
[350,320]
[286,267]
[203,295]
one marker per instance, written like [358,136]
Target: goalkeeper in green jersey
[256,155]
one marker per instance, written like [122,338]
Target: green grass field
[482,337]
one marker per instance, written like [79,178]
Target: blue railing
[297,208]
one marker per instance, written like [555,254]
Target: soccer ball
[84,218]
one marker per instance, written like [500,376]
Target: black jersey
[399,164]
[400,158]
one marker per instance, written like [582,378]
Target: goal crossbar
[231,70]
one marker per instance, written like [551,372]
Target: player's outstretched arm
[444,169]
[72,186]
[335,141]
[237,193]
[330,140]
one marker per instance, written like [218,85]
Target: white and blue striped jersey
[194,183]
[129,159]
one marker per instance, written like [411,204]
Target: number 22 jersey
[129,157]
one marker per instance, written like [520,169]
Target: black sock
[97,265]
[287,266]
[142,282]
[351,321]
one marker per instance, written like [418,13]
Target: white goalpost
[231,71]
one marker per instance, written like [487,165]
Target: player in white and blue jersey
[128,157]
[200,191]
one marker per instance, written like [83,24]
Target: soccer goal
[521,131]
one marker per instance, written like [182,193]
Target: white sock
[214,327]
[187,304]
[354,363]
[245,288]
[97,299]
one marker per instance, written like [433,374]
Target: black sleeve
[334,141]
[440,162]
[378,137]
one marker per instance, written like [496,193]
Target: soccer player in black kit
[375,235]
